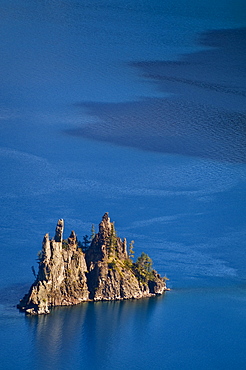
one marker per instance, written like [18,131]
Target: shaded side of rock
[59,230]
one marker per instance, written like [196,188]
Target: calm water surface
[138,109]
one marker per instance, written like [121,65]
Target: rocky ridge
[104,271]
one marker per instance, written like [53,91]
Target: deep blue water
[136,108]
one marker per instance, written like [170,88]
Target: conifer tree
[93,232]
[131,251]
[85,243]
[145,262]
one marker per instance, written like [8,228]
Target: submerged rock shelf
[101,269]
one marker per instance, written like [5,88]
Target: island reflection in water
[96,329]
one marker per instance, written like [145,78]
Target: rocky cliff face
[67,276]
[61,278]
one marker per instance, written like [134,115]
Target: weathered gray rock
[67,276]
[61,278]
[111,274]
[59,230]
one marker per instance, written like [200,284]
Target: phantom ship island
[71,272]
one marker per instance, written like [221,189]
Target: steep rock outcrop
[61,279]
[67,276]
[111,274]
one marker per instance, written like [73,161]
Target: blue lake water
[136,108]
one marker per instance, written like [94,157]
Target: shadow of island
[204,116]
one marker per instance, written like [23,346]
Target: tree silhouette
[93,232]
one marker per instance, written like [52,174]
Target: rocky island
[71,272]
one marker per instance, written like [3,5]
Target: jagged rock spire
[104,229]
[106,216]
[72,240]
[59,230]
[46,251]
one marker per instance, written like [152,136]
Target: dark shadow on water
[204,115]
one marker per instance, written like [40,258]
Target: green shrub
[128,264]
